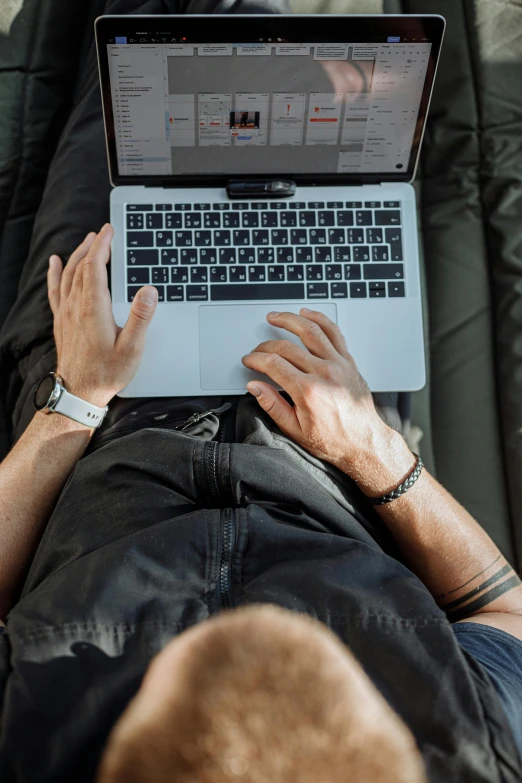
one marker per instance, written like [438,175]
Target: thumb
[277,408]
[142,310]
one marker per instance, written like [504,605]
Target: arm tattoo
[481,593]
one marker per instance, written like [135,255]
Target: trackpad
[228,332]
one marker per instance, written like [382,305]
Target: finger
[95,285]
[277,408]
[72,264]
[131,339]
[299,357]
[330,329]
[310,333]
[54,276]
[277,368]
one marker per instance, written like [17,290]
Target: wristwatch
[51,396]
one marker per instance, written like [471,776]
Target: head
[259,695]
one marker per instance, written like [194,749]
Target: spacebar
[226,293]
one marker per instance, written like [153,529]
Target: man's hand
[334,416]
[96,358]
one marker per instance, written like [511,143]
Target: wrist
[382,463]
[97,397]
[54,423]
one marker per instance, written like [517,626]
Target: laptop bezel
[296,28]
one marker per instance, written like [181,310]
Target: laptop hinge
[261,188]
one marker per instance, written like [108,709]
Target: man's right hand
[334,416]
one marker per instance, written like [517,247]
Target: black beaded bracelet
[402,488]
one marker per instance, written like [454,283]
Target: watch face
[43,391]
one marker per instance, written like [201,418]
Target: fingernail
[255,390]
[51,260]
[149,295]
[305,310]
[273,314]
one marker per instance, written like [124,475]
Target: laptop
[265,162]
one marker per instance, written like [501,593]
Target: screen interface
[256,108]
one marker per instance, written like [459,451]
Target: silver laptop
[265,163]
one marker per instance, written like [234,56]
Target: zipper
[198,416]
[226,558]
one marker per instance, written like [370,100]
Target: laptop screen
[189,108]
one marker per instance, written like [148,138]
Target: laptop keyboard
[240,251]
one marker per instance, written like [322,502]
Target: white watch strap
[80,410]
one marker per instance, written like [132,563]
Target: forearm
[447,549]
[31,479]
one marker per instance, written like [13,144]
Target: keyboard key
[141,275]
[251,219]
[161,292]
[192,220]
[246,255]
[175,293]
[182,207]
[268,219]
[285,255]
[383,271]
[257,292]
[201,207]
[164,238]
[353,204]
[140,238]
[169,257]
[352,272]
[172,220]
[237,274]
[285,219]
[307,218]
[338,290]
[372,204]
[394,239]
[208,256]
[390,217]
[132,290]
[380,253]
[183,238]
[323,254]
[142,257]
[336,236]
[163,207]
[135,221]
[396,289]
[303,255]
[316,205]
[240,205]
[266,255]
[314,272]
[160,274]
[222,238]
[211,219]
[358,290]
[376,292]
[241,237]
[334,272]
[361,253]
[334,204]
[326,219]
[363,218]
[188,256]
[231,220]
[154,220]
[221,206]
[297,205]
[279,236]
[391,204]
[260,236]
[355,236]
[139,207]
[298,236]
[227,255]
[218,274]
[197,293]
[260,205]
[318,236]
[256,274]
[342,254]
[179,275]
[274,205]
[373,235]
[294,272]
[276,274]
[202,238]
[345,218]
[317,291]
